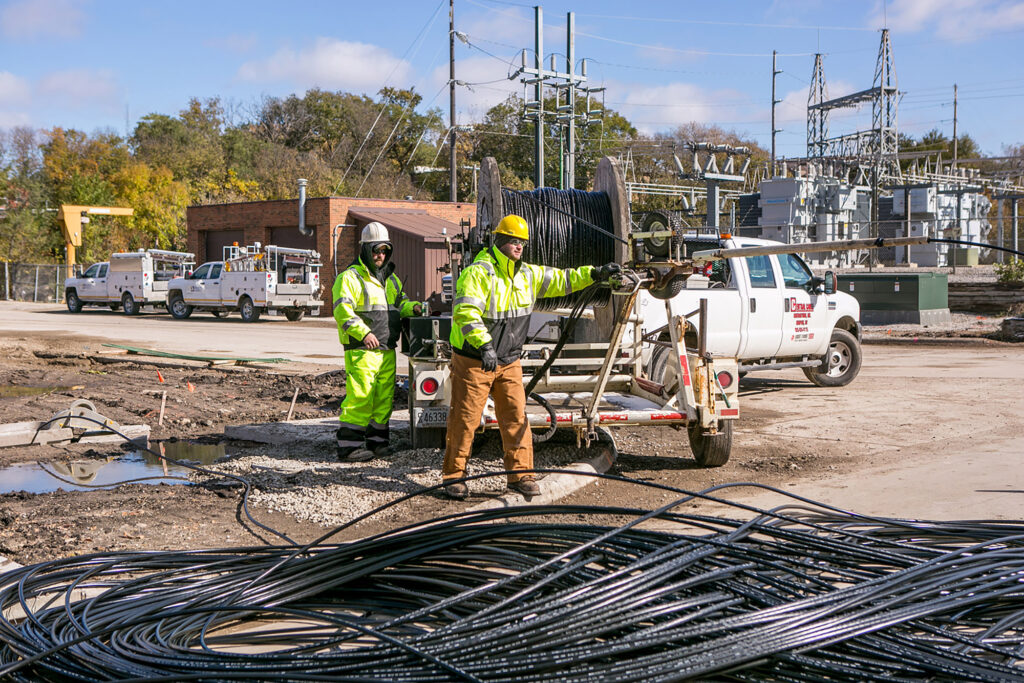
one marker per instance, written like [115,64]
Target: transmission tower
[872,152]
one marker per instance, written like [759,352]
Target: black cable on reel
[562,232]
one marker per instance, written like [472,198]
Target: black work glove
[488,357]
[606,272]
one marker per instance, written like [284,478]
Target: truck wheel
[661,371]
[841,364]
[294,315]
[178,308]
[250,313]
[74,303]
[711,451]
[128,304]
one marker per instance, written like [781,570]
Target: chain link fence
[41,283]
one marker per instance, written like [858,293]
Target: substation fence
[38,282]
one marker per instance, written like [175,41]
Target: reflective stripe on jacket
[362,305]
[494,299]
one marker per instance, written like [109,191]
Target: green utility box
[886,298]
[964,257]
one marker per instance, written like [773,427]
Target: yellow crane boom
[72,216]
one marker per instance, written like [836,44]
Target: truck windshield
[795,272]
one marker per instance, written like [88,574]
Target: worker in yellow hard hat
[490,319]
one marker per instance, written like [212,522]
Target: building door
[216,240]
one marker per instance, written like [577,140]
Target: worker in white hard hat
[368,305]
[490,316]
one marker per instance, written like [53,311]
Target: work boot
[457,491]
[527,486]
[383,451]
[358,455]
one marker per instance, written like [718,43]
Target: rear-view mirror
[830,282]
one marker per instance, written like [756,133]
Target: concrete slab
[554,487]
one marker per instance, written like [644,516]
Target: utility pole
[565,114]
[775,72]
[453,189]
[954,127]
[570,162]
[538,95]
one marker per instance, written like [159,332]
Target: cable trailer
[612,379]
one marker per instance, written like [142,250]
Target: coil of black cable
[558,240]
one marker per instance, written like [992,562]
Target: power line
[430,22]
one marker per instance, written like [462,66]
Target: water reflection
[83,475]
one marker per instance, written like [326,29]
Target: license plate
[434,416]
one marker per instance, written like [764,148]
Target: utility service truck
[251,280]
[129,280]
[768,310]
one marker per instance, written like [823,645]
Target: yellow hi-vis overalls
[493,302]
[364,304]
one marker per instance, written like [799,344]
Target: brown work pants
[470,385]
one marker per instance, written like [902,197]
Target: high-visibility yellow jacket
[495,296]
[366,303]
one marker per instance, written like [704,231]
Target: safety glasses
[516,242]
[382,249]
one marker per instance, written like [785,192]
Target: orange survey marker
[191,387]
[159,377]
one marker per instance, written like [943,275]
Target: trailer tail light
[429,386]
[725,379]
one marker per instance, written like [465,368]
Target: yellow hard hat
[513,226]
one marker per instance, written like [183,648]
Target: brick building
[417,228]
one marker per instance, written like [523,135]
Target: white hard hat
[374,232]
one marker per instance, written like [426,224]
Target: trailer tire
[670,289]
[843,362]
[129,305]
[711,451]
[114,307]
[250,312]
[294,315]
[178,308]
[73,302]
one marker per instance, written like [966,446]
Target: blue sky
[99,64]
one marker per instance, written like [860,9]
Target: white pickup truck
[768,311]
[251,280]
[129,280]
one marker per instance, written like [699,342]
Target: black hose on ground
[800,592]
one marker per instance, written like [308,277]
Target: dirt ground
[785,438]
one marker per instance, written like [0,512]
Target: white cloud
[28,19]
[13,119]
[331,64]
[653,108]
[79,85]
[960,21]
[13,90]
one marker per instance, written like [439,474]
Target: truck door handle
[753,305]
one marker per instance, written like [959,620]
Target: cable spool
[556,239]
